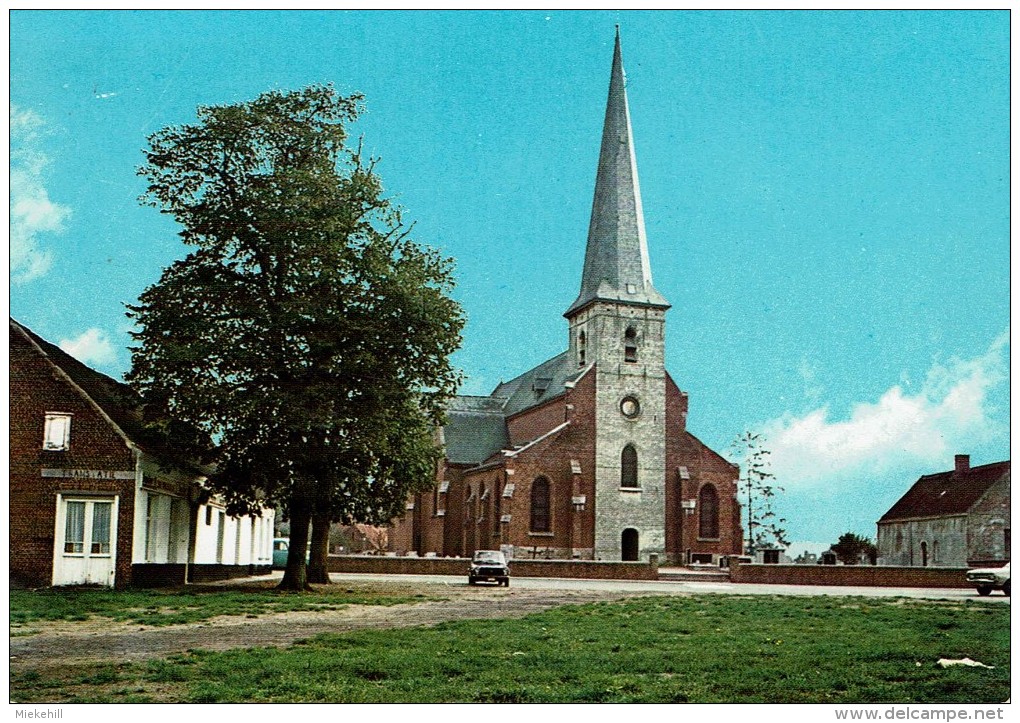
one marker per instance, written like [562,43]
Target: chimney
[962,464]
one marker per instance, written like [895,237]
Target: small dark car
[490,566]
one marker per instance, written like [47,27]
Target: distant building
[958,518]
[97,498]
[587,455]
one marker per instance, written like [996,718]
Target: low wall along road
[849,575]
[588,569]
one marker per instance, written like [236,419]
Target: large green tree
[306,333]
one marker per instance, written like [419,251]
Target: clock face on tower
[630,407]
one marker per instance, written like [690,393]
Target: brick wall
[533,423]
[706,467]
[587,569]
[850,575]
[37,388]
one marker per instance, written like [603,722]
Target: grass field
[679,649]
[177,607]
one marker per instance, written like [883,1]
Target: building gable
[946,493]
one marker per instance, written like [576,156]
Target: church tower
[617,323]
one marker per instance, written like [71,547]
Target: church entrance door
[629,544]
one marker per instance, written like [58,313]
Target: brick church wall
[707,467]
[533,423]
[704,466]
[571,531]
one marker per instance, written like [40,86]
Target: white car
[986,579]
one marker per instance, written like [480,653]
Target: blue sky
[826,197]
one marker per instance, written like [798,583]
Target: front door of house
[85,551]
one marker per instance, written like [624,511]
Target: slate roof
[116,399]
[538,385]
[616,266]
[476,426]
[475,429]
[946,493]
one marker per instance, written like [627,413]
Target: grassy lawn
[177,606]
[694,649]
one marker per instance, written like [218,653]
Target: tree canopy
[307,333]
[851,547]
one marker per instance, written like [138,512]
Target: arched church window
[628,467]
[630,345]
[540,521]
[924,554]
[708,506]
[582,348]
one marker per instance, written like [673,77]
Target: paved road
[690,587]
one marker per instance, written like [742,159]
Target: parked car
[280,547]
[491,566]
[986,579]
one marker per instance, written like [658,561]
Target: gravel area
[104,641]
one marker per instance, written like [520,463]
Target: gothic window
[630,345]
[708,505]
[540,521]
[924,554]
[628,467]
[582,344]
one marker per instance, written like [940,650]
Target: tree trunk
[295,577]
[318,573]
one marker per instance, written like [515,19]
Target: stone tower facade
[587,455]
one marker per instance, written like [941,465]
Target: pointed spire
[616,266]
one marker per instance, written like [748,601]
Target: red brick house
[958,518]
[588,454]
[96,498]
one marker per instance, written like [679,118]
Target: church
[586,456]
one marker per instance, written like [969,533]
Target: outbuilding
[958,518]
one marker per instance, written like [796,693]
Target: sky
[826,198]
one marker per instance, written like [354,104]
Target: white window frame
[54,438]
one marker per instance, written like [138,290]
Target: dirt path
[58,644]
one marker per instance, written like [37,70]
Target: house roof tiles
[947,493]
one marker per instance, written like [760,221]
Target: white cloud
[32,211]
[950,413]
[92,347]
